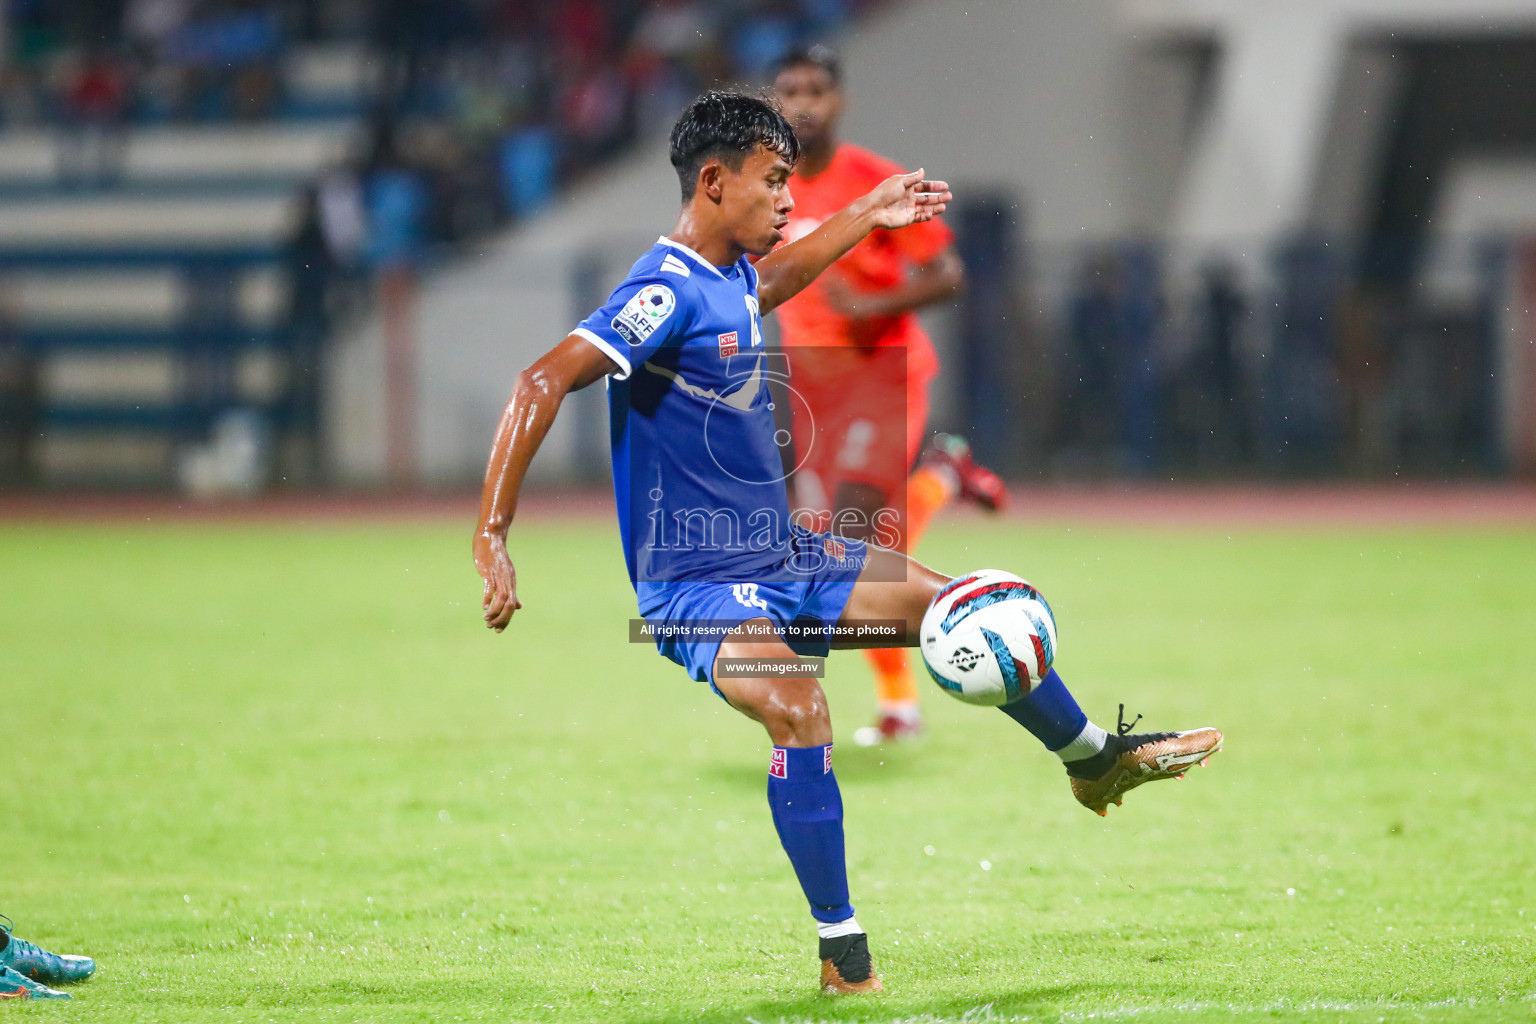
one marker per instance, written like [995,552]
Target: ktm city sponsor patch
[727,344]
[778,767]
[834,548]
[646,311]
[826,760]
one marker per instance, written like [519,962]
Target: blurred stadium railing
[1144,359]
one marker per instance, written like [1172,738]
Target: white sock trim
[837,929]
[1087,743]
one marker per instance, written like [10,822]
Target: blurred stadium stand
[1206,237]
[153,159]
[146,309]
[197,192]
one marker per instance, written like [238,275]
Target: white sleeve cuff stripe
[607,350]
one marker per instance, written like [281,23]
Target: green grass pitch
[274,772]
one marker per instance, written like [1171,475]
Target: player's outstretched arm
[937,280]
[897,201]
[536,397]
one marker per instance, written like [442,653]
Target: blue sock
[808,813]
[1050,713]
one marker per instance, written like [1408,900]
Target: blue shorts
[813,602]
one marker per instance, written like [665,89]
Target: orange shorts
[859,417]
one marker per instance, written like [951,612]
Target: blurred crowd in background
[1109,360]
[480,110]
[475,113]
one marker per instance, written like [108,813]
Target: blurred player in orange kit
[860,364]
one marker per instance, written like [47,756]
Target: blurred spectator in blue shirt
[763,37]
[529,168]
[229,58]
[396,201]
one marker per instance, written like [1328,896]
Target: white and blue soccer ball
[988,637]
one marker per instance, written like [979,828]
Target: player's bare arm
[896,202]
[938,280]
[536,397]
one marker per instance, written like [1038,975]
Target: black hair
[818,56]
[727,126]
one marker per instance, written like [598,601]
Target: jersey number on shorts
[746,595]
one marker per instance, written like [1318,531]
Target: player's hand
[495,568]
[842,299]
[904,199]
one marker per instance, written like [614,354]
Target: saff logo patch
[727,344]
[643,313]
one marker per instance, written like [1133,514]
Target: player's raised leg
[892,586]
[1102,767]
[803,797]
[945,471]
[899,715]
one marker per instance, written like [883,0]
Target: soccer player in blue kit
[703,508]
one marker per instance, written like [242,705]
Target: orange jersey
[879,262]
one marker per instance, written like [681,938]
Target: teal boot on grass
[36,963]
[19,986]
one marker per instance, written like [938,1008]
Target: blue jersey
[697,474]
